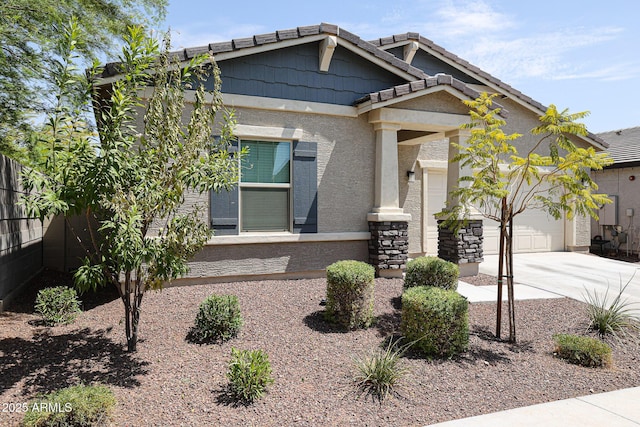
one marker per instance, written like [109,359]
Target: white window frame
[288,186]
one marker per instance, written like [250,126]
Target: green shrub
[585,351]
[57,305]
[611,317]
[431,271]
[72,406]
[379,372]
[437,319]
[218,319]
[350,291]
[249,374]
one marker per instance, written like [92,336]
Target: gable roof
[401,91]
[488,79]
[285,36]
[376,51]
[624,146]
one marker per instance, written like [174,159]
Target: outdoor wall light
[411,175]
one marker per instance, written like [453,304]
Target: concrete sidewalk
[489,293]
[618,408]
[554,275]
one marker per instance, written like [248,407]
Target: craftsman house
[349,145]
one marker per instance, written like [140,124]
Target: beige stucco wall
[411,194]
[616,182]
[346,158]
[438,102]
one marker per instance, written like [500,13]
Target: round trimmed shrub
[437,319]
[350,291]
[218,319]
[57,305]
[431,271]
[585,351]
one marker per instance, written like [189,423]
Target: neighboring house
[621,181]
[349,141]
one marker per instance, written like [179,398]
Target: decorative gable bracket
[409,51]
[327,47]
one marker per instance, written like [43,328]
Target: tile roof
[381,42]
[111,69]
[374,47]
[624,145]
[422,84]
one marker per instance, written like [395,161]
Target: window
[265,186]
[277,192]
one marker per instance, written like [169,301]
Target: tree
[29,32]
[131,184]
[503,184]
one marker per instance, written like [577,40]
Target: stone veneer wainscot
[464,247]
[388,247]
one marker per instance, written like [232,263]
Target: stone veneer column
[463,248]
[388,247]
[388,224]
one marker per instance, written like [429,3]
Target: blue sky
[580,55]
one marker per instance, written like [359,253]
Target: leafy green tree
[131,184]
[503,184]
[29,32]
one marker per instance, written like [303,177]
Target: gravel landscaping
[170,381]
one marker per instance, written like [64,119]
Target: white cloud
[547,56]
[616,72]
[463,18]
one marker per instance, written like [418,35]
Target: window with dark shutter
[277,191]
[305,187]
[224,206]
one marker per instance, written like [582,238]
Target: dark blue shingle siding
[293,73]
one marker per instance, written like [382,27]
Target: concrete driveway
[570,273]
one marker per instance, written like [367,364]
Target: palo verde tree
[503,184]
[30,31]
[131,183]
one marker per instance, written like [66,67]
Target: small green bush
[57,305]
[378,373]
[72,406]
[585,351]
[350,291]
[436,319]
[249,374]
[218,319]
[431,271]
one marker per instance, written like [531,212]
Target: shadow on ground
[317,322]
[50,362]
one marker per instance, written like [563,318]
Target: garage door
[534,230]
